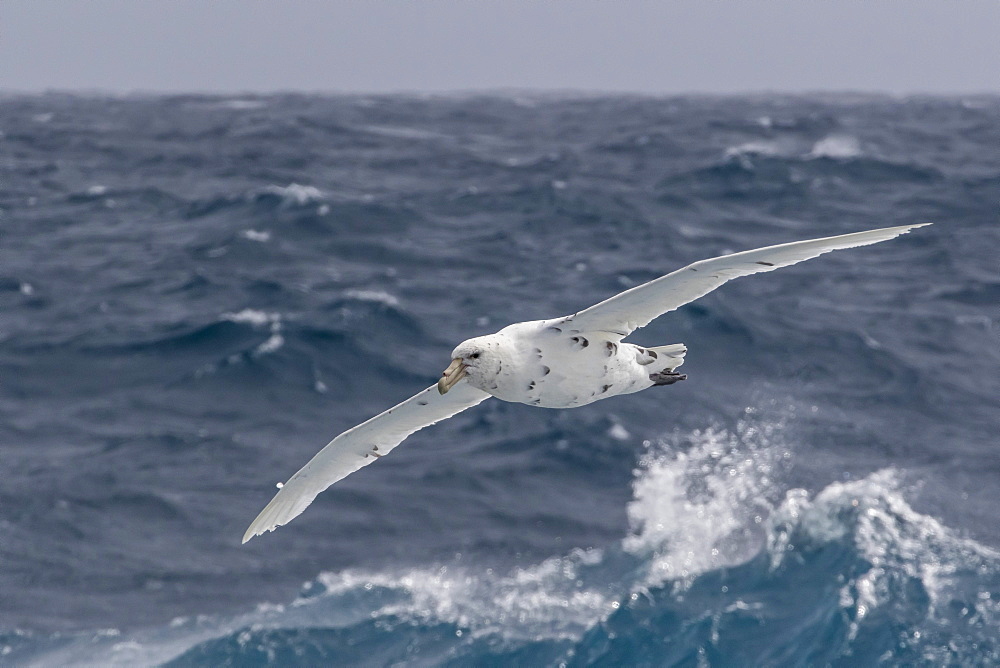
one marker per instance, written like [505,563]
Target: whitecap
[618,432]
[761,148]
[699,500]
[294,194]
[378,296]
[547,600]
[272,344]
[894,539]
[252,316]
[256,235]
[836,146]
[261,319]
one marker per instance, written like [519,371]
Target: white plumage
[559,363]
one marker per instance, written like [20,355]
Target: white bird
[559,363]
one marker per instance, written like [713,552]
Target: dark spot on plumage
[766,264]
[555,329]
[536,401]
[581,341]
[692,269]
[647,356]
[531,386]
[545,370]
[422,403]
[605,389]
[612,348]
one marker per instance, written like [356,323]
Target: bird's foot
[667,377]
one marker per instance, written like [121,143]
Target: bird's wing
[637,307]
[359,447]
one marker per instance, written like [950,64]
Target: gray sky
[710,46]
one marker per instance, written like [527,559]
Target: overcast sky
[446,45]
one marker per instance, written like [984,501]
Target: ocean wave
[187,338]
[113,317]
[292,195]
[265,200]
[711,535]
[751,148]
[403,133]
[242,104]
[700,500]
[223,341]
[260,319]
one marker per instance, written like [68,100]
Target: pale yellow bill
[454,373]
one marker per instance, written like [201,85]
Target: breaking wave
[711,540]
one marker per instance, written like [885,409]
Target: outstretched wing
[627,311]
[359,447]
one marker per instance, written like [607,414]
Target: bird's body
[551,364]
[559,363]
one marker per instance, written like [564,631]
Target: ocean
[198,292]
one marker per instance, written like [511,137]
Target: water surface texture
[197,293]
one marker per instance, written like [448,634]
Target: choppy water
[196,293]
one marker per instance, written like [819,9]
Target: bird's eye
[474,356]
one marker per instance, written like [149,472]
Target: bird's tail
[673,354]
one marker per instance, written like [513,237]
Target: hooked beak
[454,373]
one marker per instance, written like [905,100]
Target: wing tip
[259,527]
[903,229]
[254,531]
[899,230]
[281,510]
[868,237]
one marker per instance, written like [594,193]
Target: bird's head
[477,358]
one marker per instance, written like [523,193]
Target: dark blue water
[197,293]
